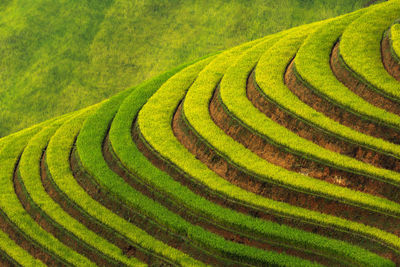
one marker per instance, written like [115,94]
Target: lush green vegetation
[29,171]
[85,51]
[16,253]
[268,76]
[89,149]
[129,182]
[312,67]
[58,164]
[233,88]
[395,38]
[196,103]
[13,209]
[360,48]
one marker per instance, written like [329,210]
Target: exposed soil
[227,232]
[57,230]
[135,217]
[361,88]
[390,62]
[333,111]
[129,248]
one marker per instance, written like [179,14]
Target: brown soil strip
[145,223]
[313,133]
[389,60]
[129,248]
[346,76]
[57,230]
[226,201]
[227,232]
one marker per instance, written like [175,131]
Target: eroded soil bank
[361,88]
[267,188]
[390,62]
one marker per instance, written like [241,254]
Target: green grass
[89,143]
[395,40]
[131,157]
[83,52]
[360,48]
[312,66]
[12,208]
[165,143]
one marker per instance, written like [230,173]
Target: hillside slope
[282,151]
[85,51]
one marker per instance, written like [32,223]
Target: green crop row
[29,170]
[394,33]
[131,158]
[12,208]
[313,68]
[361,51]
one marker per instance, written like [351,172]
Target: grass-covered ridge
[245,157]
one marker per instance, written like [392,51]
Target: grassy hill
[85,51]
[282,151]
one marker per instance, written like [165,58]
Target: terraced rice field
[284,151]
